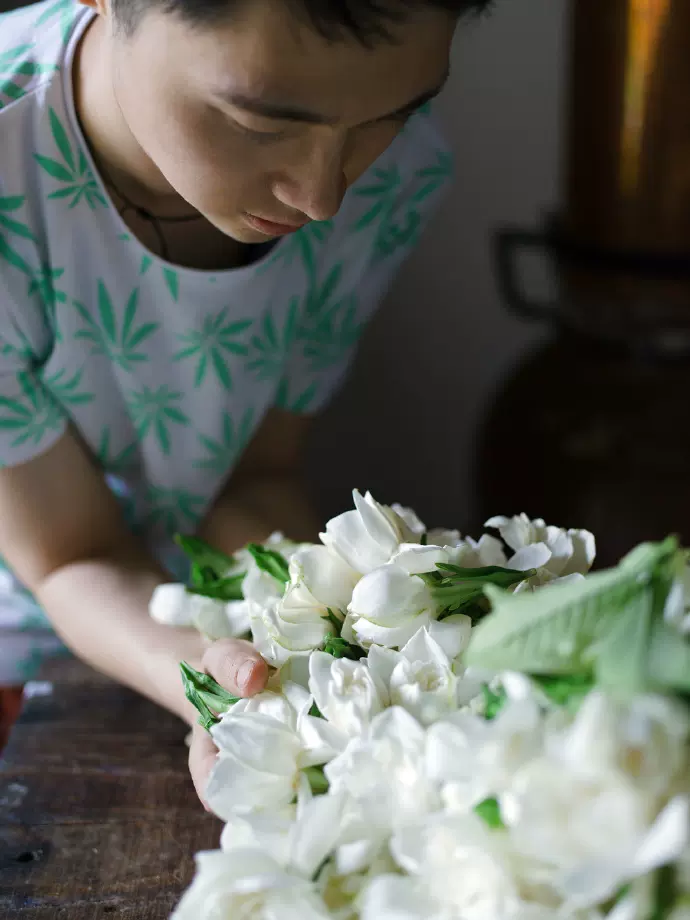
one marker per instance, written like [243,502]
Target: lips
[272,228]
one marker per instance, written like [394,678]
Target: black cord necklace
[153,220]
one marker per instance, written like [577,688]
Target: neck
[119,157]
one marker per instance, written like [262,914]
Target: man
[201,204]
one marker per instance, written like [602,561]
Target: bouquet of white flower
[454,730]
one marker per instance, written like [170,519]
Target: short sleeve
[31,420]
[382,219]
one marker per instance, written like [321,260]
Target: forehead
[264,51]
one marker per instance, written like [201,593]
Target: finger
[202,756]
[237,666]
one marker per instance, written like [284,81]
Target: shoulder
[385,211]
[33,41]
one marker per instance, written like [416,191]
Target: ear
[102,7]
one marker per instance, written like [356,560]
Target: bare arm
[62,533]
[267,492]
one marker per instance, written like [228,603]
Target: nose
[316,184]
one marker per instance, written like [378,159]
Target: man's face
[209,107]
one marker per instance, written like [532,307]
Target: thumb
[237,666]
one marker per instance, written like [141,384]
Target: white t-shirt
[165,371]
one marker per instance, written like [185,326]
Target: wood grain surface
[98,815]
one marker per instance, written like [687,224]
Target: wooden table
[98,815]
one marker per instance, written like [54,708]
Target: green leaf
[494,701]
[560,629]
[53,168]
[568,690]
[106,312]
[668,665]
[665,892]
[172,281]
[204,555]
[271,562]
[61,140]
[13,257]
[315,711]
[467,588]
[621,656]
[317,780]
[13,226]
[130,314]
[490,812]
[142,333]
[339,648]
[222,589]
[206,695]
[221,369]
[11,203]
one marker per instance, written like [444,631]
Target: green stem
[206,695]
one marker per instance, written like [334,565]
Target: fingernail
[244,673]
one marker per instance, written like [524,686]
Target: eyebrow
[287,112]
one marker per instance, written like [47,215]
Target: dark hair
[365,20]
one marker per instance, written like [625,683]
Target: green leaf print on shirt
[66,389]
[434,177]
[43,284]
[398,220]
[10,225]
[112,461]
[72,171]
[299,403]
[270,347]
[208,345]
[62,11]
[173,509]
[170,276]
[121,342]
[334,336]
[221,455]
[155,410]
[302,244]
[328,329]
[33,415]
[15,74]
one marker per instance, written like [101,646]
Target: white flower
[477,554]
[258,588]
[299,837]
[383,777]
[284,701]
[555,552]
[367,537]
[321,580]
[420,677]
[645,738]
[171,605]
[174,605]
[258,764]
[247,883]
[474,759]
[456,868]
[297,621]
[603,779]
[261,753]
[346,693]
[388,607]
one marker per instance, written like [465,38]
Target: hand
[239,669]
